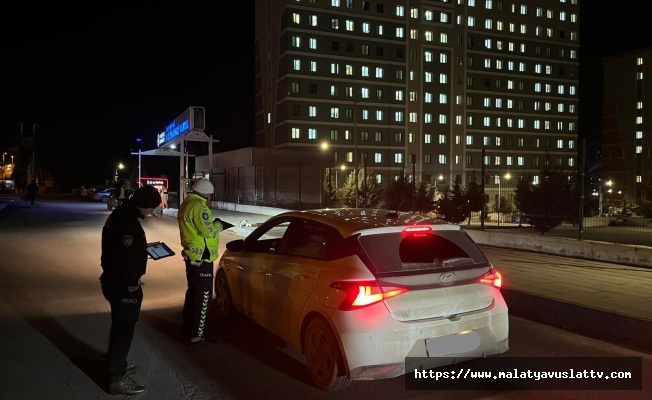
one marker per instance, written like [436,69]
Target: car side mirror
[235,245]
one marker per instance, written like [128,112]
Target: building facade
[627,129]
[432,89]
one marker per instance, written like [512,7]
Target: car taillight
[359,294]
[418,229]
[492,278]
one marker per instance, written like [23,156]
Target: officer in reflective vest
[200,239]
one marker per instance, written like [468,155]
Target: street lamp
[119,166]
[324,147]
[3,158]
[507,176]
[608,183]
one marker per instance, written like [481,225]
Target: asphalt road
[54,327]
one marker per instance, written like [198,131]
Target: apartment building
[626,129]
[426,88]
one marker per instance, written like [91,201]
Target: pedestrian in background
[164,197]
[200,240]
[124,261]
[32,189]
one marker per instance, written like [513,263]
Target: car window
[396,252]
[307,239]
[268,239]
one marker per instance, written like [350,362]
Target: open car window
[268,239]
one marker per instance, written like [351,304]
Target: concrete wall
[640,256]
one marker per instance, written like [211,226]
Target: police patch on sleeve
[127,240]
[204,215]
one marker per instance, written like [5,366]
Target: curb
[597,324]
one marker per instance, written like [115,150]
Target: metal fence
[302,187]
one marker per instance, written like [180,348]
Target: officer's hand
[132,288]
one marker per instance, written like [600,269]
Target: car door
[293,274]
[251,266]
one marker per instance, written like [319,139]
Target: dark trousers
[125,309]
[198,299]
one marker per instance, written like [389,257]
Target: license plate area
[462,342]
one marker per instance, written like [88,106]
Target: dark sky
[96,79]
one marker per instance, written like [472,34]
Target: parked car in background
[86,190]
[104,194]
[359,290]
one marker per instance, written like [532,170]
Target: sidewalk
[606,301]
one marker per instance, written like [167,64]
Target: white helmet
[203,186]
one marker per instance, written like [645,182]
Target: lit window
[296,18]
[349,25]
[366,27]
[400,11]
[379,72]
[398,95]
[442,159]
[312,134]
[398,158]
[297,65]
[349,69]
[399,32]
[312,20]
[296,133]
[335,112]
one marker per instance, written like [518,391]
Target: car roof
[351,220]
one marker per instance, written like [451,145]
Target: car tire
[323,357]
[222,303]
[104,199]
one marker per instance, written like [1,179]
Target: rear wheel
[323,356]
[223,305]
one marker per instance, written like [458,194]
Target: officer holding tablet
[124,260]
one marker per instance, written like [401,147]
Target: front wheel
[223,302]
[325,362]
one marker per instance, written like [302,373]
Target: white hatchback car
[359,290]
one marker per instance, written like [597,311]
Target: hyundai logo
[447,277]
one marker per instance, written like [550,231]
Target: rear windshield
[397,252]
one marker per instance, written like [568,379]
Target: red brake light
[362,294]
[418,229]
[492,278]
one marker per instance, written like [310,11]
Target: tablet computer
[158,250]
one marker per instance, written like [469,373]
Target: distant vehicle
[104,194]
[86,190]
[359,290]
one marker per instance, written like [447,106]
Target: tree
[451,205]
[370,192]
[425,194]
[398,194]
[330,190]
[474,198]
[547,203]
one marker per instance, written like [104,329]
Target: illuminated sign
[175,129]
[154,181]
[192,119]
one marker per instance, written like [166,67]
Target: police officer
[124,260]
[200,239]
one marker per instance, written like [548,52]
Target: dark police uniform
[124,260]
